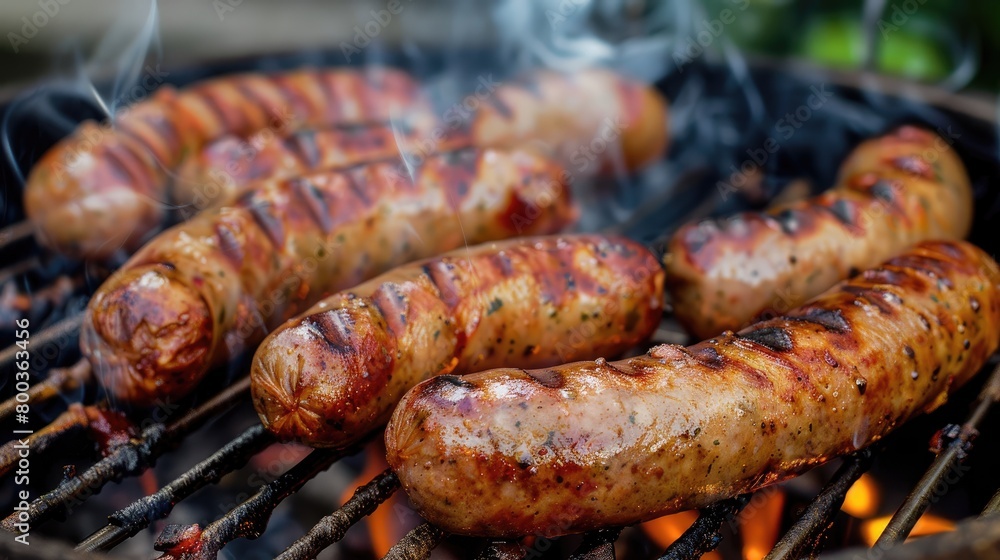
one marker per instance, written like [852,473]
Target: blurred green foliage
[927,40]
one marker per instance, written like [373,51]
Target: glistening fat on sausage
[331,376]
[893,192]
[211,288]
[510,452]
[104,189]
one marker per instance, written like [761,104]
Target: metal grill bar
[333,527]
[417,544]
[822,509]
[503,550]
[41,549]
[76,419]
[598,545]
[16,232]
[130,459]
[59,381]
[916,503]
[128,521]
[993,507]
[67,327]
[703,535]
[249,519]
[972,539]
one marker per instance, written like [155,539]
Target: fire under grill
[718,112]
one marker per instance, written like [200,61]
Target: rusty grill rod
[976,538]
[67,327]
[249,519]
[333,527]
[916,502]
[130,459]
[993,507]
[821,510]
[128,521]
[704,534]
[417,544]
[503,550]
[597,545]
[16,232]
[57,383]
[76,419]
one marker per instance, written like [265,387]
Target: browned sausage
[233,164]
[210,288]
[594,444]
[893,191]
[589,118]
[333,375]
[104,188]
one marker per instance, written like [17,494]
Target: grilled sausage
[589,118]
[232,164]
[594,444]
[331,376]
[893,192]
[105,187]
[210,288]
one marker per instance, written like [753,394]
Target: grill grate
[250,518]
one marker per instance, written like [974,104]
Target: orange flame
[928,524]
[760,522]
[383,530]
[862,500]
[665,530]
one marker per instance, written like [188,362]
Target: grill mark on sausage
[392,304]
[331,95]
[708,356]
[216,106]
[442,277]
[788,220]
[147,148]
[833,321]
[873,297]
[774,338]
[884,190]
[249,91]
[303,146]
[503,263]
[229,244]
[127,166]
[549,378]
[354,184]
[914,164]
[262,213]
[324,332]
[843,210]
[312,199]
[453,380]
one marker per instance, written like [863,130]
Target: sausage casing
[594,444]
[893,192]
[331,376]
[591,119]
[210,288]
[104,188]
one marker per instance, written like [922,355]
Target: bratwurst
[334,374]
[510,452]
[893,192]
[211,288]
[105,188]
